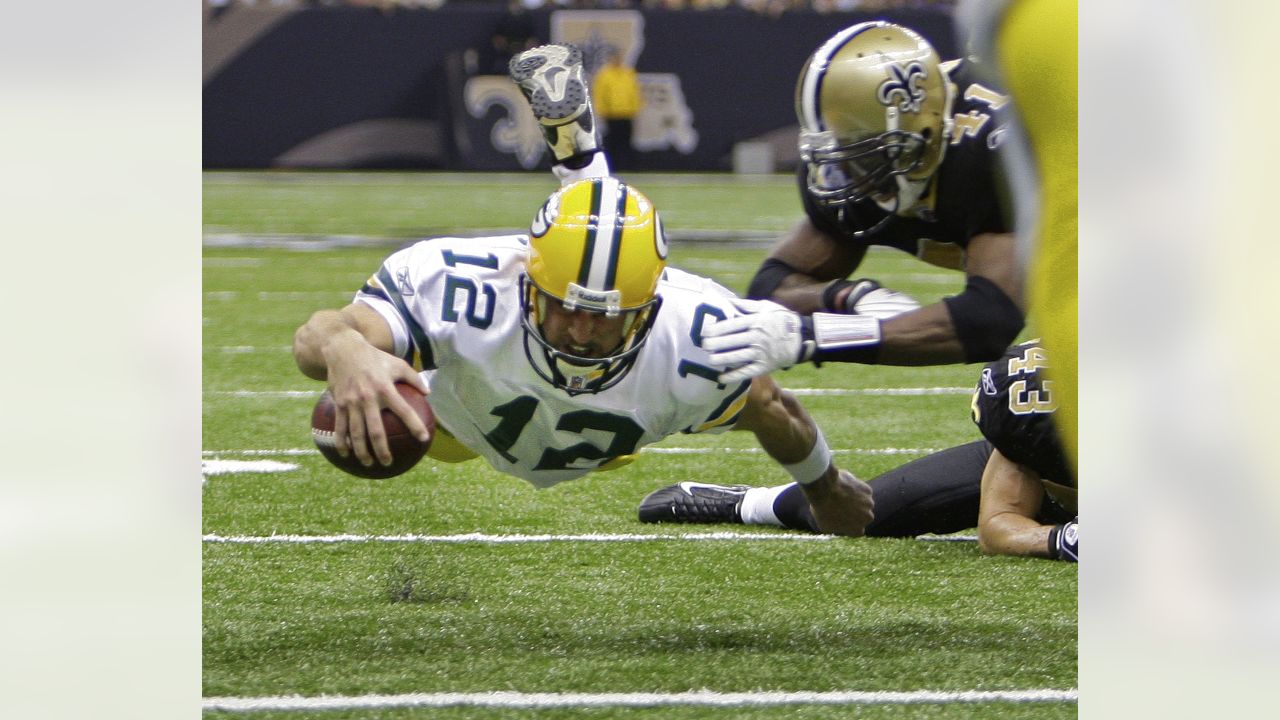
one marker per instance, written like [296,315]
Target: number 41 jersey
[455,302]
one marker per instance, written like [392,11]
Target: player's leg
[550,76]
[937,493]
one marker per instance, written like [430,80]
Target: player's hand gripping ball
[406,450]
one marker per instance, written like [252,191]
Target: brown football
[406,450]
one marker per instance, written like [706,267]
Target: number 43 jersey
[455,302]
[1013,405]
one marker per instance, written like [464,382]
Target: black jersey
[1013,406]
[966,202]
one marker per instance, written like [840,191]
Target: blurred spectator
[513,35]
[615,93]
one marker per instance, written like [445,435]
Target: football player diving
[1016,486]
[557,353]
[899,150]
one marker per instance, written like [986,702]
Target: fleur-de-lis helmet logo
[903,87]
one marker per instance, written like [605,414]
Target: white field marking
[272,295]
[947,538]
[232,262]
[943,278]
[883,391]
[506,699]
[267,453]
[267,393]
[245,349]
[652,450]
[485,539]
[908,391]
[224,467]
[297,242]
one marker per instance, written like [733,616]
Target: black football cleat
[694,502]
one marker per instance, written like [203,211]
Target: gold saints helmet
[597,246]
[875,117]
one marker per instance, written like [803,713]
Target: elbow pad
[767,279]
[986,319]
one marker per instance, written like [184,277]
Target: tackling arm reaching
[898,150]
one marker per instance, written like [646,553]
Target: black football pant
[937,493]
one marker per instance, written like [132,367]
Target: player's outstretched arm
[351,349]
[841,503]
[797,272]
[859,321]
[1011,498]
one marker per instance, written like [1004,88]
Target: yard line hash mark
[224,467]
[502,699]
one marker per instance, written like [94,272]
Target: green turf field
[395,603]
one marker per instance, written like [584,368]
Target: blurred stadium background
[102,604]
[410,86]
[334,132]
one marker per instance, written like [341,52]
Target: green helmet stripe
[615,251]
[589,251]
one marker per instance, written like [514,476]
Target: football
[406,450]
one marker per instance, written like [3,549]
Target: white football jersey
[456,303]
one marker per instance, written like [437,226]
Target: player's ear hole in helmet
[874,107]
[595,246]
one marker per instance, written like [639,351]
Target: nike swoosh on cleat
[550,76]
[688,484]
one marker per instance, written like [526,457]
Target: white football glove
[869,298]
[765,338]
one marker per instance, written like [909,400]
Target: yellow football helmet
[875,117]
[596,246]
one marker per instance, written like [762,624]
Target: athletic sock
[757,506]
[582,167]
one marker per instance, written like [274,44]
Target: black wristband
[1054,532]
[830,292]
[865,355]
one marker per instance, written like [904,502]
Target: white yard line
[647,450]
[225,467]
[249,349]
[503,699]
[486,539]
[907,391]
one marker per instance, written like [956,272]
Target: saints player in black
[899,150]
[1028,504]
[1016,486]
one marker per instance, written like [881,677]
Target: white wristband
[815,465]
[833,331]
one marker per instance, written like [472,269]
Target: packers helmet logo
[545,217]
[902,88]
[659,237]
